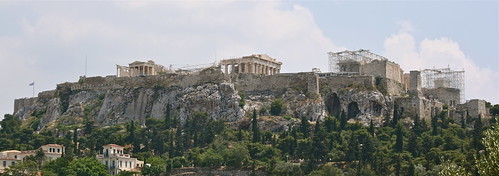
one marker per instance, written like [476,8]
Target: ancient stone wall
[338,82]
[391,87]
[411,105]
[273,83]
[168,80]
[24,103]
[475,108]
[448,96]
[384,69]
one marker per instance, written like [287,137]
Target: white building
[115,160]
[11,157]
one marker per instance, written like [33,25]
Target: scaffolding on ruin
[444,77]
[359,55]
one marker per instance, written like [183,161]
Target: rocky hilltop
[112,100]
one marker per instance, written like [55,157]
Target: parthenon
[256,63]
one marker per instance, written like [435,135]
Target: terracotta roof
[11,151]
[114,145]
[54,145]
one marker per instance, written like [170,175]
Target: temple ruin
[256,64]
[139,68]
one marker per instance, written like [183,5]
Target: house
[116,160]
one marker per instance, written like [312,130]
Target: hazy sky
[47,42]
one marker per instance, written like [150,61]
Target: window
[58,150]
[4,163]
[13,162]
[15,156]
[107,163]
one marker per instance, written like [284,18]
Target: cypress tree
[254,125]
[371,128]
[305,127]
[343,120]
[399,142]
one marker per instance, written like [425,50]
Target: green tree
[154,166]
[488,163]
[319,149]
[276,107]
[254,127]
[477,134]
[399,141]
[343,120]
[305,127]
[88,166]
[236,156]
[57,166]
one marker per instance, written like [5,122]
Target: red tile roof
[114,145]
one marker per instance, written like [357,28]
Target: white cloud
[54,40]
[481,83]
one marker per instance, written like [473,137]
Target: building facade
[11,157]
[116,160]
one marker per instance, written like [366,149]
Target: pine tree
[319,150]
[254,126]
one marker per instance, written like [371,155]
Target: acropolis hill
[362,84]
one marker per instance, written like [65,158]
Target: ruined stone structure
[139,68]
[256,64]
[368,88]
[448,96]
[365,63]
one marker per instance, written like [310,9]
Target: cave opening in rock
[376,108]
[353,109]
[333,105]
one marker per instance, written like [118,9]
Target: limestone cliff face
[220,101]
[108,101]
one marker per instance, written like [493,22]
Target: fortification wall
[337,82]
[276,83]
[167,80]
[384,69]
[417,105]
[24,103]
[448,96]
[391,87]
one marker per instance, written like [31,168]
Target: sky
[50,42]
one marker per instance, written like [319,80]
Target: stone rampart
[391,87]
[24,103]
[274,83]
[448,96]
[167,80]
[338,82]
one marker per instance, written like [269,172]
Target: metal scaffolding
[359,55]
[443,77]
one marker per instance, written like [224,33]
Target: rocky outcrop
[108,101]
